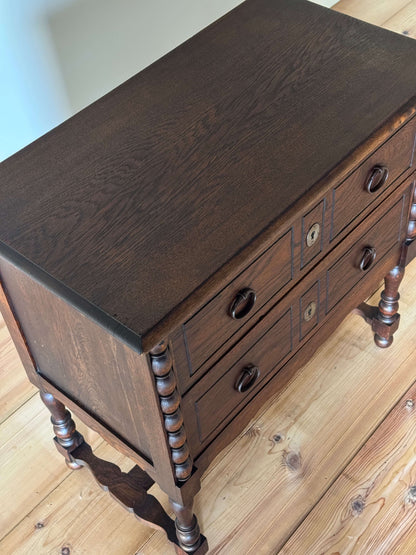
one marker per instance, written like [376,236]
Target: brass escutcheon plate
[313,234]
[310,311]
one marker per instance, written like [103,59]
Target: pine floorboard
[338,479]
[376,12]
[15,389]
[371,507]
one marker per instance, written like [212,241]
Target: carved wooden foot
[130,490]
[66,438]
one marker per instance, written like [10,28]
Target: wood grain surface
[92,368]
[276,472]
[371,507]
[404,21]
[138,200]
[15,388]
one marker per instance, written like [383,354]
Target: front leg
[384,319]
[190,539]
[387,319]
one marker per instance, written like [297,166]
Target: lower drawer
[242,372]
[364,255]
[242,377]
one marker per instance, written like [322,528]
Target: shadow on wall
[58,56]
[101,43]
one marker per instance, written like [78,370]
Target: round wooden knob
[242,303]
[367,258]
[247,378]
[377,178]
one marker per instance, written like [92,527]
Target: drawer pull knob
[242,304]
[367,258]
[247,378]
[313,235]
[377,178]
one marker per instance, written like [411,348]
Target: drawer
[364,255]
[217,321]
[373,177]
[231,383]
[243,377]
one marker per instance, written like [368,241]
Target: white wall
[58,56]
[326,3]
[32,95]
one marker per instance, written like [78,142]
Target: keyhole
[310,311]
[313,234]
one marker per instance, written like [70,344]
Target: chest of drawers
[168,250]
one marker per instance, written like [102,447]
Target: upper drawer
[233,306]
[373,177]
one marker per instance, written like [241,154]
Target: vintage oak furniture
[171,248]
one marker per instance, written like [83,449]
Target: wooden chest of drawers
[170,249]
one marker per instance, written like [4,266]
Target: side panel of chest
[95,370]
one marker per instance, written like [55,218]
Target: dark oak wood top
[139,204]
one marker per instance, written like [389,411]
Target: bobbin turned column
[67,439]
[187,528]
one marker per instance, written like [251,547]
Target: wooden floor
[328,467]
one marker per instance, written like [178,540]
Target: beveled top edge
[62,291]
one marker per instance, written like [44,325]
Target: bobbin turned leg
[187,530]
[67,439]
[387,319]
[384,318]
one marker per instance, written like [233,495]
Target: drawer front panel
[246,374]
[364,255]
[383,167]
[214,324]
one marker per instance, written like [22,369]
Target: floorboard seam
[396,404]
